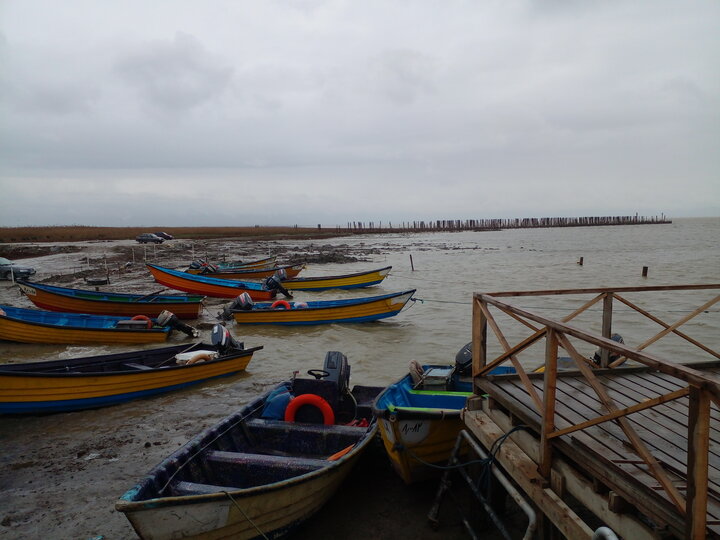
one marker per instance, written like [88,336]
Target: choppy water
[83,461]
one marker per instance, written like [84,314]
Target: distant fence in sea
[498,223]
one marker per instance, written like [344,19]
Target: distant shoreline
[79,233]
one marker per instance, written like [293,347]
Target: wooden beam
[479,338]
[648,403]
[524,472]
[697,467]
[598,290]
[606,327]
[666,325]
[548,410]
[516,363]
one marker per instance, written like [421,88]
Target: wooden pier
[635,449]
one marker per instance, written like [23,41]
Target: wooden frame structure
[554,457]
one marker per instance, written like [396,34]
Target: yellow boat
[82,383]
[364,309]
[36,326]
[347,281]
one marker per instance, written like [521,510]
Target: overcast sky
[271,112]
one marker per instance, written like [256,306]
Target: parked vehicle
[144,238]
[8,269]
[164,235]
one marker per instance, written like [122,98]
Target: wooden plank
[596,290]
[548,415]
[697,495]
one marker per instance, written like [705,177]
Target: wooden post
[548,416]
[697,467]
[580,262]
[606,327]
[644,271]
[412,266]
[479,338]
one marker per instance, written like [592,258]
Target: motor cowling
[243,302]
[336,364]
[167,318]
[463,360]
[223,340]
[273,283]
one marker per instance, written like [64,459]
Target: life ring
[143,318]
[280,303]
[310,399]
[200,357]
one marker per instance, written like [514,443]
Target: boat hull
[207,286]
[419,426]
[274,511]
[33,392]
[367,310]
[97,303]
[350,281]
[30,331]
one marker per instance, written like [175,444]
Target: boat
[208,286]
[245,273]
[419,415]
[263,470]
[347,281]
[264,262]
[37,326]
[349,310]
[97,381]
[64,299]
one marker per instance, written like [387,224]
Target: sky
[239,113]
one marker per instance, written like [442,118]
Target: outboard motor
[167,318]
[243,302]
[221,338]
[209,269]
[272,283]
[337,366]
[463,360]
[597,356]
[196,265]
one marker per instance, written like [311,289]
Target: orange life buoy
[143,318]
[280,303]
[199,357]
[310,399]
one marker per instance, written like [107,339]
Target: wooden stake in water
[580,262]
[645,271]
[412,266]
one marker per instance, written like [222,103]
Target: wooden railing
[701,388]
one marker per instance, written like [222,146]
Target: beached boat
[349,310]
[96,381]
[347,281]
[419,415]
[110,303]
[265,262]
[208,286]
[36,326]
[263,470]
[291,271]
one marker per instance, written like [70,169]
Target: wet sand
[61,474]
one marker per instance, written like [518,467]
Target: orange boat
[208,286]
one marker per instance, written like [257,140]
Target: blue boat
[37,326]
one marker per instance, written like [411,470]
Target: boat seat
[136,366]
[296,464]
[319,429]
[180,489]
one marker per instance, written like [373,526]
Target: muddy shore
[61,479]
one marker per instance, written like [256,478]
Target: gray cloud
[490,109]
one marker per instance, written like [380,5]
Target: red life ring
[310,399]
[280,303]
[143,318]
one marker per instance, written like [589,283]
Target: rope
[245,515]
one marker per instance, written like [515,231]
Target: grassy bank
[76,233]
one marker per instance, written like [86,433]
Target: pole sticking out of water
[580,262]
[412,266]
[645,271]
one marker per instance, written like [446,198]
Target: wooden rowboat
[36,326]
[350,310]
[208,286]
[110,303]
[266,262]
[347,281]
[250,273]
[97,381]
[263,470]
